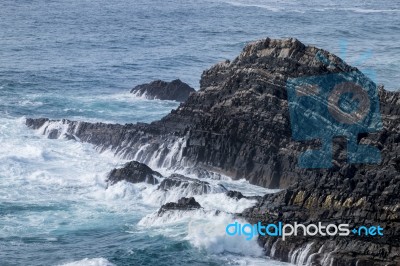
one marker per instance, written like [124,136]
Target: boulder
[235,194]
[183,204]
[175,90]
[133,172]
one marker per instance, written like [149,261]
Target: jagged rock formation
[183,204]
[192,186]
[352,194]
[175,90]
[134,172]
[238,124]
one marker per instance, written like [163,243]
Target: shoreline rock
[190,185]
[133,172]
[175,90]
[183,204]
[238,124]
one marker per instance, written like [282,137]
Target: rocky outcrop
[364,197]
[237,195]
[183,204]
[238,124]
[190,185]
[352,194]
[175,90]
[134,172]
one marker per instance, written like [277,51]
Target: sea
[78,59]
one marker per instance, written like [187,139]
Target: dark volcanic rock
[235,194]
[190,185]
[364,197]
[238,124]
[238,195]
[183,204]
[133,172]
[175,90]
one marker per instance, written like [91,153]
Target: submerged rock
[175,90]
[134,172]
[183,204]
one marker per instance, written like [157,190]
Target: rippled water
[78,60]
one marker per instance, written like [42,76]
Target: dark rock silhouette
[183,204]
[236,124]
[175,90]
[133,172]
[235,194]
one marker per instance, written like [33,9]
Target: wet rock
[366,197]
[175,90]
[235,194]
[134,172]
[189,185]
[238,122]
[183,204]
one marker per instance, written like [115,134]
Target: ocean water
[78,60]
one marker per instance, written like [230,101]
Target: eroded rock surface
[175,90]
[183,204]
[133,172]
[236,124]
[190,185]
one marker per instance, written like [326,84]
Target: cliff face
[351,194]
[237,123]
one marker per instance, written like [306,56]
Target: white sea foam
[140,95]
[89,262]
[203,229]
[30,103]
[270,5]
[285,6]
[69,178]
[365,10]
[174,217]
[224,203]
[210,235]
[301,255]
[253,261]
[48,127]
